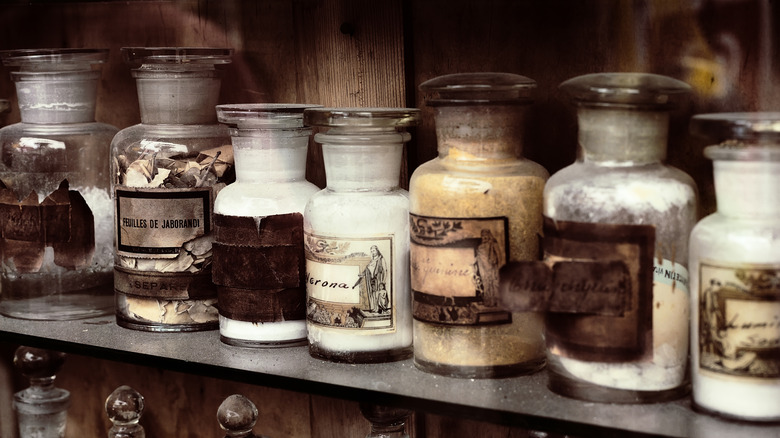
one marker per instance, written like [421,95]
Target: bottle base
[581,390]
[379,356]
[262,344]
[734,417]
[165,328]
[481,372]
[59,307]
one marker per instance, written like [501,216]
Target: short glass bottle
[42,408]
[474,208]
[166,172]
[258,227]
[57,241]
[357,238]
[617,223]
[735,265]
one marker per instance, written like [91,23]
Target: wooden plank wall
[376,53]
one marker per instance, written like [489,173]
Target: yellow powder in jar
[479,195]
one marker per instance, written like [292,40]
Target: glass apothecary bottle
[735,271]
[166,172]
[42,408]
[356,234]
[124,407]
[616,230]
[474,208]
[258,250]
[57,229]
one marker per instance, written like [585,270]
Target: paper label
[615,330]
[157,222]
[258,265]
[739,320]
[349,283]
[455,265]
[62,221]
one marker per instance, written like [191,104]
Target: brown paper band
[275,267]
[582,287]
[262,305]
[164,285]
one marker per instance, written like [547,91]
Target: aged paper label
[618,323]
[455,265]
[157,222]
[349,283]
[739,321]
[258,265]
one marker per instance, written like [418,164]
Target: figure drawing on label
[486,269]
[375,274]
[349,284]
[742,341]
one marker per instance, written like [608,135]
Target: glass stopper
[37,363]
[124,408]
[480,87]
[237,416]
[386,421]
[633,90]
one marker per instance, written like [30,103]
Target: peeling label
[159,221]
[258,265]
[455,266]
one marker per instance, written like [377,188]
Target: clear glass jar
[357,238]
[474,208]
[616,230]
[57,245]
[166,172]
[735,261]
[258,226]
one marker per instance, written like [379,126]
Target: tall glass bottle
[473,209]
[616,230]
[166,172]
[735,266]
[55,200]
[258,250]
[357,238]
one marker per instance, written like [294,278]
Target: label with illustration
[455,265]
[739,320]
[157,223]
[610,267]
[349,283]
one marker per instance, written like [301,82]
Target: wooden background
[376,53]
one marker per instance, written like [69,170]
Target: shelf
[524,401]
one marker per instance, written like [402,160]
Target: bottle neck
[747,189]
[177,97]
[480,133]
[57,97]
[622,137]
[270,155]
[362,159]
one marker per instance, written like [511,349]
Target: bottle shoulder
[170,133]
[21,129]
[643,187]
[438,173]
[749,240]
